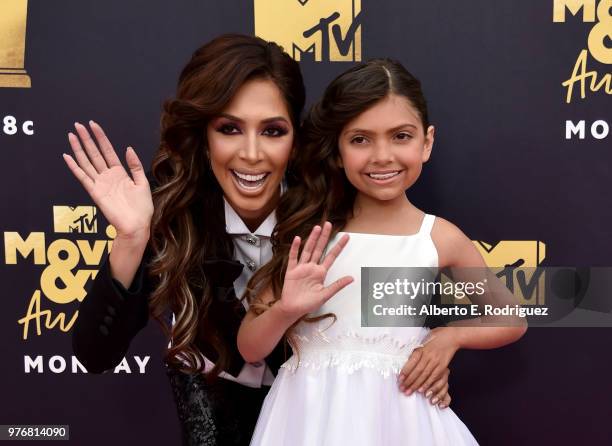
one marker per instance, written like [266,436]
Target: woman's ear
[429,140]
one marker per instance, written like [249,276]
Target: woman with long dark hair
[226,140]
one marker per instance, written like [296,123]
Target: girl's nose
[382,153]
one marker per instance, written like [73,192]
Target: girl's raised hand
[125,201]
[303,289]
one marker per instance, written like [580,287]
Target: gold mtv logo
[80,219]
[13,17]
[322,30]
[515,261]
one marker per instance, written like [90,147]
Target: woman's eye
[228,129]
[403,136]
[274,131]
[358,140]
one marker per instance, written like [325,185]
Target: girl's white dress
[343,388]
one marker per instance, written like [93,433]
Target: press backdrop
[519,92]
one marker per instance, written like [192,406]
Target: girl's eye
[358,140]
[228,129]
[275,131]
[403,136]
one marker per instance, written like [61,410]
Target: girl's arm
[303,291]
[456,250]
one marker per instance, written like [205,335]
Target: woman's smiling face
[249,147]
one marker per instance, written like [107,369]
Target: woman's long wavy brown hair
[320,190]
[188,224]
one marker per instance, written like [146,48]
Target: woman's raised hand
[303,289]
[125,201]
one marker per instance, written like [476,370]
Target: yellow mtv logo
[515,262]
[80,219]
[13,17]
[321,30]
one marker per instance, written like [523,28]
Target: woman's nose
[251,151]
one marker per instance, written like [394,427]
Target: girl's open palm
[303,288]
[125,201]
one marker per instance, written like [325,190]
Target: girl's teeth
[383,176]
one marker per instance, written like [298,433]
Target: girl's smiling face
[383,149]
[249,148]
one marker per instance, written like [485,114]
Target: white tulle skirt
[332,406]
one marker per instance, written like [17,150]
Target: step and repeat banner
[519,93]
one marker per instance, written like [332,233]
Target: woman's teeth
[383,176]
[250,181]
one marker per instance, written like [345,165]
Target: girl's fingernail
[409,392]
[442,406]
[427,394]
[434,401]
[420,390]
[402,388]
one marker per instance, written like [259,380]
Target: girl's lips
[384,177]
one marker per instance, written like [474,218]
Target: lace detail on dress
[351,351]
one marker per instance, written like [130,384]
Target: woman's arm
[303,291]
[116,307]
[109,318]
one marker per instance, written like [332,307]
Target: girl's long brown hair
[188,224]
[320,190]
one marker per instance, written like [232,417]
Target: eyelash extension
[280,131]
[229,129]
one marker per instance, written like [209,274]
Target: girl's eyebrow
[240,120]
[399,127]
[370,132]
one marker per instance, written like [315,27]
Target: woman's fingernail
[434,401]
[442,406]
[420,390]
[427,394]
[409,392]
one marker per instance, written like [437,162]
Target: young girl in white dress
[366,142]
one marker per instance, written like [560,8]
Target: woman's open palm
[303,288]
[125,201]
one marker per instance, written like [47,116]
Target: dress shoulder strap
[427,224]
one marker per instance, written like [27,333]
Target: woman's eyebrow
[240,120]
[275,118]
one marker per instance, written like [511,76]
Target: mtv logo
[516,260]
[80,219]
[321,30]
